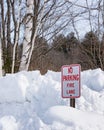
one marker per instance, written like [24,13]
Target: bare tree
[16,30]
[0,52]
[42,20]
[2,35]
[28,34]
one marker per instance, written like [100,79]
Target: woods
[46,34]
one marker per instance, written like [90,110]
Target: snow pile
[94,79]
[30,101]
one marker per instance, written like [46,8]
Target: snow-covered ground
[31,101]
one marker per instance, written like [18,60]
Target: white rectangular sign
[70,79]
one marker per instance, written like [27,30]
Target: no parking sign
[70,79]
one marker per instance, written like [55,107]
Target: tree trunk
[17,26]
[31,32]
[27,37]
[0,56]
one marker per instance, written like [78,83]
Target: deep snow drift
[30,101]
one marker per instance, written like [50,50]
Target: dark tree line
[89,52]
[63,50]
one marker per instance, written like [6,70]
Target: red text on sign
[70,70]
[70,77]
[70,85]
[70,91]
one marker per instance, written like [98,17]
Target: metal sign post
[72,102]
[70,80]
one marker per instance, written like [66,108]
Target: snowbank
[31,101]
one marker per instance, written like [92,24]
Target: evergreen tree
[39,55]
[72,41]
[60,43]
[90,46]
